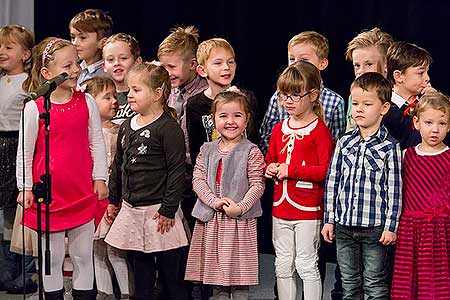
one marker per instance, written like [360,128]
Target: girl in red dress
[422,260]
[77,165]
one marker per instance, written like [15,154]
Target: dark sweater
[149,165]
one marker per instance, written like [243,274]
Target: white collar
[92,67]
[398,100]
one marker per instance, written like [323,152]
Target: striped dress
[422,261]
[224,250]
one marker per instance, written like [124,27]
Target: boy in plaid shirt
[363,192]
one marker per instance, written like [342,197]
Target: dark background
[260,32]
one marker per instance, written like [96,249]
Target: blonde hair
[313,38]
[50,45]
[96,85]
[373,37]
[181,39]
[155,76]
[300,77]
[93,20]
[205,48]
[20,35]
[132,43]
[436,101]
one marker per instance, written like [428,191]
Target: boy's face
[219,68]
[181,69]
[368,59]
[367,109]
[118,60]
[306,52]
[107,103]
[88,45]
[433,126]
[413,80]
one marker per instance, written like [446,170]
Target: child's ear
[26,55]
[385,108]
[398,76]
[416,122]
[201,71]
[138,60]
[101,43]
[46,73]
[194,64]
[323,64]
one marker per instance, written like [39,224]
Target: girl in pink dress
[228,179]
[77,165]
[422,260]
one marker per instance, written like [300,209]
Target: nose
[427,77]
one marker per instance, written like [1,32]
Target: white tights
[80,251]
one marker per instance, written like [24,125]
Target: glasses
[294,97]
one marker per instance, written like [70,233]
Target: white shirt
[11,99]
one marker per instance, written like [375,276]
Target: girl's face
[433,126]
[118,60]
[12,56]
[231,120]
[107,103]
[141,97]
[298,105]
[65,60]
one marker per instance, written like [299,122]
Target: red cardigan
[307,151]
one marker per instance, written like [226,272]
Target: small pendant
[8,79]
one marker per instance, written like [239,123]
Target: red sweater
[307,151]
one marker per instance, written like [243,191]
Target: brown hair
[20,35]
[300,77]
[403,55]
[93,20]
[436,101]
[228,97]
[313,38]
[155,76]
[205,48]
[373,37]
[96,85]
[372,81]
[35,79]
[181,39]
[127,39]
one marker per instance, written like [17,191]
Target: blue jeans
[362,258]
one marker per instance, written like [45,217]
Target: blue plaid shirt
[333,106]
[364,184]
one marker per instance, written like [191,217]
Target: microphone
[47,87]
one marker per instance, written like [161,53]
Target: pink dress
[73,199]
[422,260]
[224,250]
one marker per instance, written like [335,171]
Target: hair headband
[47,49]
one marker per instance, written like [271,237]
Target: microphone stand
[42,191]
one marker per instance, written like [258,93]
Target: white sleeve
[96,141]
[31,122]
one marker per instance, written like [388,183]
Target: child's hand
[101,189]
[164,223]
[282,171]
[328,232]
[232,209]
[428,89]
[111,213]
[221,202]
[271,170]
[388,238]
[28,198]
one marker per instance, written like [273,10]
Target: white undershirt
[96,143]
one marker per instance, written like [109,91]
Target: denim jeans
[362,259]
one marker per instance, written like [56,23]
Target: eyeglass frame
[300,97]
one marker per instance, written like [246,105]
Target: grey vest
[234,181]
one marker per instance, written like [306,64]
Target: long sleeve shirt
[333,106]
[364,184]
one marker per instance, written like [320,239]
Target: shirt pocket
[348,158]
[374,160]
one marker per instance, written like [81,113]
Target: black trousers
[170,266]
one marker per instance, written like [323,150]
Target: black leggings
[170,265]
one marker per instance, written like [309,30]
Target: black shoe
[56,295]
[84,294]
[16,285]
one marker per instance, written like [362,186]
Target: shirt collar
[398,100]
[192,85]
[93,67]
[381,134]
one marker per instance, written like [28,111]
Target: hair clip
[156,63]
[47,49]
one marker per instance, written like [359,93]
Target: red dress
[422,261]
[73,199]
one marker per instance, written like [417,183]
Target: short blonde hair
[373,37]
[205,48]
[181,39]
[313,38]
[127,39]
[433,100]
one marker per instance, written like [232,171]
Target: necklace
[8,79]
